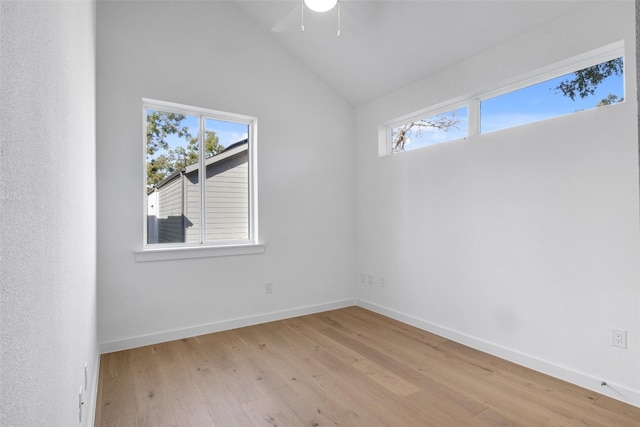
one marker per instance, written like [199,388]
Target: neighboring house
[174,210]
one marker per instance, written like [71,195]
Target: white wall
[522,242]
[206,54]
[47,212]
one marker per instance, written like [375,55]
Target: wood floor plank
[457,406]
[225,410]
[617,407]
[531,389]
[116,390]
[348,367]
[328,378]
[153,399]
[342,399]
[267,412]
[367,352]
[387,407]
[383,376]
[127,420]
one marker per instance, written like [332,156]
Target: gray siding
[228,199]
[227,203]
[192,207]
[170,217]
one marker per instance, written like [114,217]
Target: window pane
[602,84]
[227,182]
[173,190]
[431,130]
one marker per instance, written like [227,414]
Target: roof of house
[228,152]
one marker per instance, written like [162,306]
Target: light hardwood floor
[347,367]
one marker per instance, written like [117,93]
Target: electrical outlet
[619,338]
[382,282]
[370,279]
[268,288]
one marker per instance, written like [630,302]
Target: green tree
[157,170]
[161,124]
[610,99]
[162,159]
[584,83]
[211,144]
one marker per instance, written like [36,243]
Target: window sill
[167,254]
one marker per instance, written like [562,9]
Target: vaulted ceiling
[385,45]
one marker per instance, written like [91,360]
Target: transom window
[433,129]
[199,176]
[591,87]
[592,80]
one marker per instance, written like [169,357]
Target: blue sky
[228,132]
[539,102]
[530,104]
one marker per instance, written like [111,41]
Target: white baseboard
[224,325]
[615,391]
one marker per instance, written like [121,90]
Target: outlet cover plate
[619,338]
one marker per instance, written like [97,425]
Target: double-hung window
[200,183]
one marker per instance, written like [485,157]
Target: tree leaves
[610,99]
[586,81]
[161,124]
[164,159]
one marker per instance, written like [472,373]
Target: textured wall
[47,212]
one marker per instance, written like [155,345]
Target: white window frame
[472,102]
[170,251]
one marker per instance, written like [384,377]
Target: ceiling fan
[318,6]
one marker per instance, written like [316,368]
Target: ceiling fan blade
[291,19]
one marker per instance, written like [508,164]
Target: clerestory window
[422,131]
[594,79]
[594,86]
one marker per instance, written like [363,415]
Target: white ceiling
[385,45]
